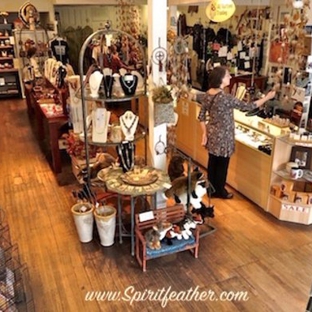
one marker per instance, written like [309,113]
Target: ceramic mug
[296,173]
[291,165]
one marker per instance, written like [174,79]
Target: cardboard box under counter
[287,186]
[301,198]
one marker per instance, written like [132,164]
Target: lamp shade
[220,10]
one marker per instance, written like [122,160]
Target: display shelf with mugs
[290,190]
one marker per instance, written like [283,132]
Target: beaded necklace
[128,128]
[126,155]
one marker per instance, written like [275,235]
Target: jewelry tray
[145,177]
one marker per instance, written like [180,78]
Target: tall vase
[105,218]
[84,220]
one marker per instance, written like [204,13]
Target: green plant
[162,95]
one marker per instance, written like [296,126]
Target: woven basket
[163,113]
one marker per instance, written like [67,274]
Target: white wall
[91,15]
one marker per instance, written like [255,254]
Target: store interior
[106,188]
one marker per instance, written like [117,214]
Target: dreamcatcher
[159,57]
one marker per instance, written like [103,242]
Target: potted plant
[163,105]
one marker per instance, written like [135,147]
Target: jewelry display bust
[100,121]
[126,152]
[108,85]
[129,83]
[95,81]
[129,122]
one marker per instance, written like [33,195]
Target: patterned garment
[220,126]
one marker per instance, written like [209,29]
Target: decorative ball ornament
[220,10]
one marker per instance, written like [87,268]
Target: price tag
[145,216]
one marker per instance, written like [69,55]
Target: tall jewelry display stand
[104,97]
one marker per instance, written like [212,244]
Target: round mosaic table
[145,181]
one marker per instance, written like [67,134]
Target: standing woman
[218,134]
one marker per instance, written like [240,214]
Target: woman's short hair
[216,76]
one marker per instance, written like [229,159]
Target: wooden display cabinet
[9,77]
[297,207]
[186,127]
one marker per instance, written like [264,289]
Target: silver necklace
[100,128]
[128,128]
[127,85]
[126,153]
[108,86]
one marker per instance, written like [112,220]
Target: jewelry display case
[251,165]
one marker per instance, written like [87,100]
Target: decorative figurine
[4,14]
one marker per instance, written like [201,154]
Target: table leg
[39,124]
[154,200]
[55,151]
[132,225]
[119,219]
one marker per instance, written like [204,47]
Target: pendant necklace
[100,123]
[126,153]
[107,85]
[128,128]
[128,86]
[109,58]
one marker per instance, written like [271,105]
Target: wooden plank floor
[250,252]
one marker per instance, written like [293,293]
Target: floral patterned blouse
[220,121]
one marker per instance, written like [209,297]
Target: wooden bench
[172,214]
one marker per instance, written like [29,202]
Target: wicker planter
[163,113]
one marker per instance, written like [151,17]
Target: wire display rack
[15,288]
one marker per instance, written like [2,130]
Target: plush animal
[204,212]
[156,234]
[176,167]
[182,229]
[103,160]
[180,189]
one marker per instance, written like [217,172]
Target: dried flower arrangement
[75,147]
[162,95]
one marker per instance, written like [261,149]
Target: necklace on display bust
[129,83]
[100,121]
[108,85]
[128,121]
[125,152]
[129,128]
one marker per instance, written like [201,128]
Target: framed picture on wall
[302,156]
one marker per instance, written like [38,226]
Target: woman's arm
[204,133]
[269,96]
